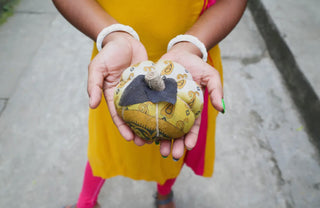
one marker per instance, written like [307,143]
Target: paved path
[290,31]
[263,155]
[299,24]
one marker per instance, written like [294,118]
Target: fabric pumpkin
[158,101]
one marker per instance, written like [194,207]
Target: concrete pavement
[299,24]
[264,157]
[291,32]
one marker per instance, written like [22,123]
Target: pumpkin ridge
[130,117]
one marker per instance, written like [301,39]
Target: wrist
[186,47]
[115,35]
[112,29]
[192,40]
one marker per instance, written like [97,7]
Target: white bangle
[191,39]
[112,28]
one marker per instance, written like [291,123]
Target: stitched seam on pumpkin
[122,113]
[157,121]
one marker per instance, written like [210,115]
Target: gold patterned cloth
[165,114]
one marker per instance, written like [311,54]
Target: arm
[86,15]
[120,50]
[218,21]
[214,25]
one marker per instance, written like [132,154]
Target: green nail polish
[157,142]
[164,156]
[224,106]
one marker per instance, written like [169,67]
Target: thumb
[94,87]
[211,79]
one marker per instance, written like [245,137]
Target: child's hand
[187,55]
[120,51]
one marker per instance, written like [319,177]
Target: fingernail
[157,142]
[189,148]
[174,159]
[164,156]
[224,106]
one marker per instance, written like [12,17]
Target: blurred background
[267,142]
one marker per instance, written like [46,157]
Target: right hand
[187,54]
[120,51]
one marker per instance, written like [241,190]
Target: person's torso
[155,21]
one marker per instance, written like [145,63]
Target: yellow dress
[111,155]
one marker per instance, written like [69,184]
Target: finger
[165,147]
[178,148]
[211,79]
[124,130]
[138,141]
[191,137]
[94,96]
[95,83]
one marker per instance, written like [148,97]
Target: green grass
[7,8]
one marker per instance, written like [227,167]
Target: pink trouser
[92,186]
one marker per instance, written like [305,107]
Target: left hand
[120,51]
[188,56]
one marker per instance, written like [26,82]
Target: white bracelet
[112,28]
[191,39]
